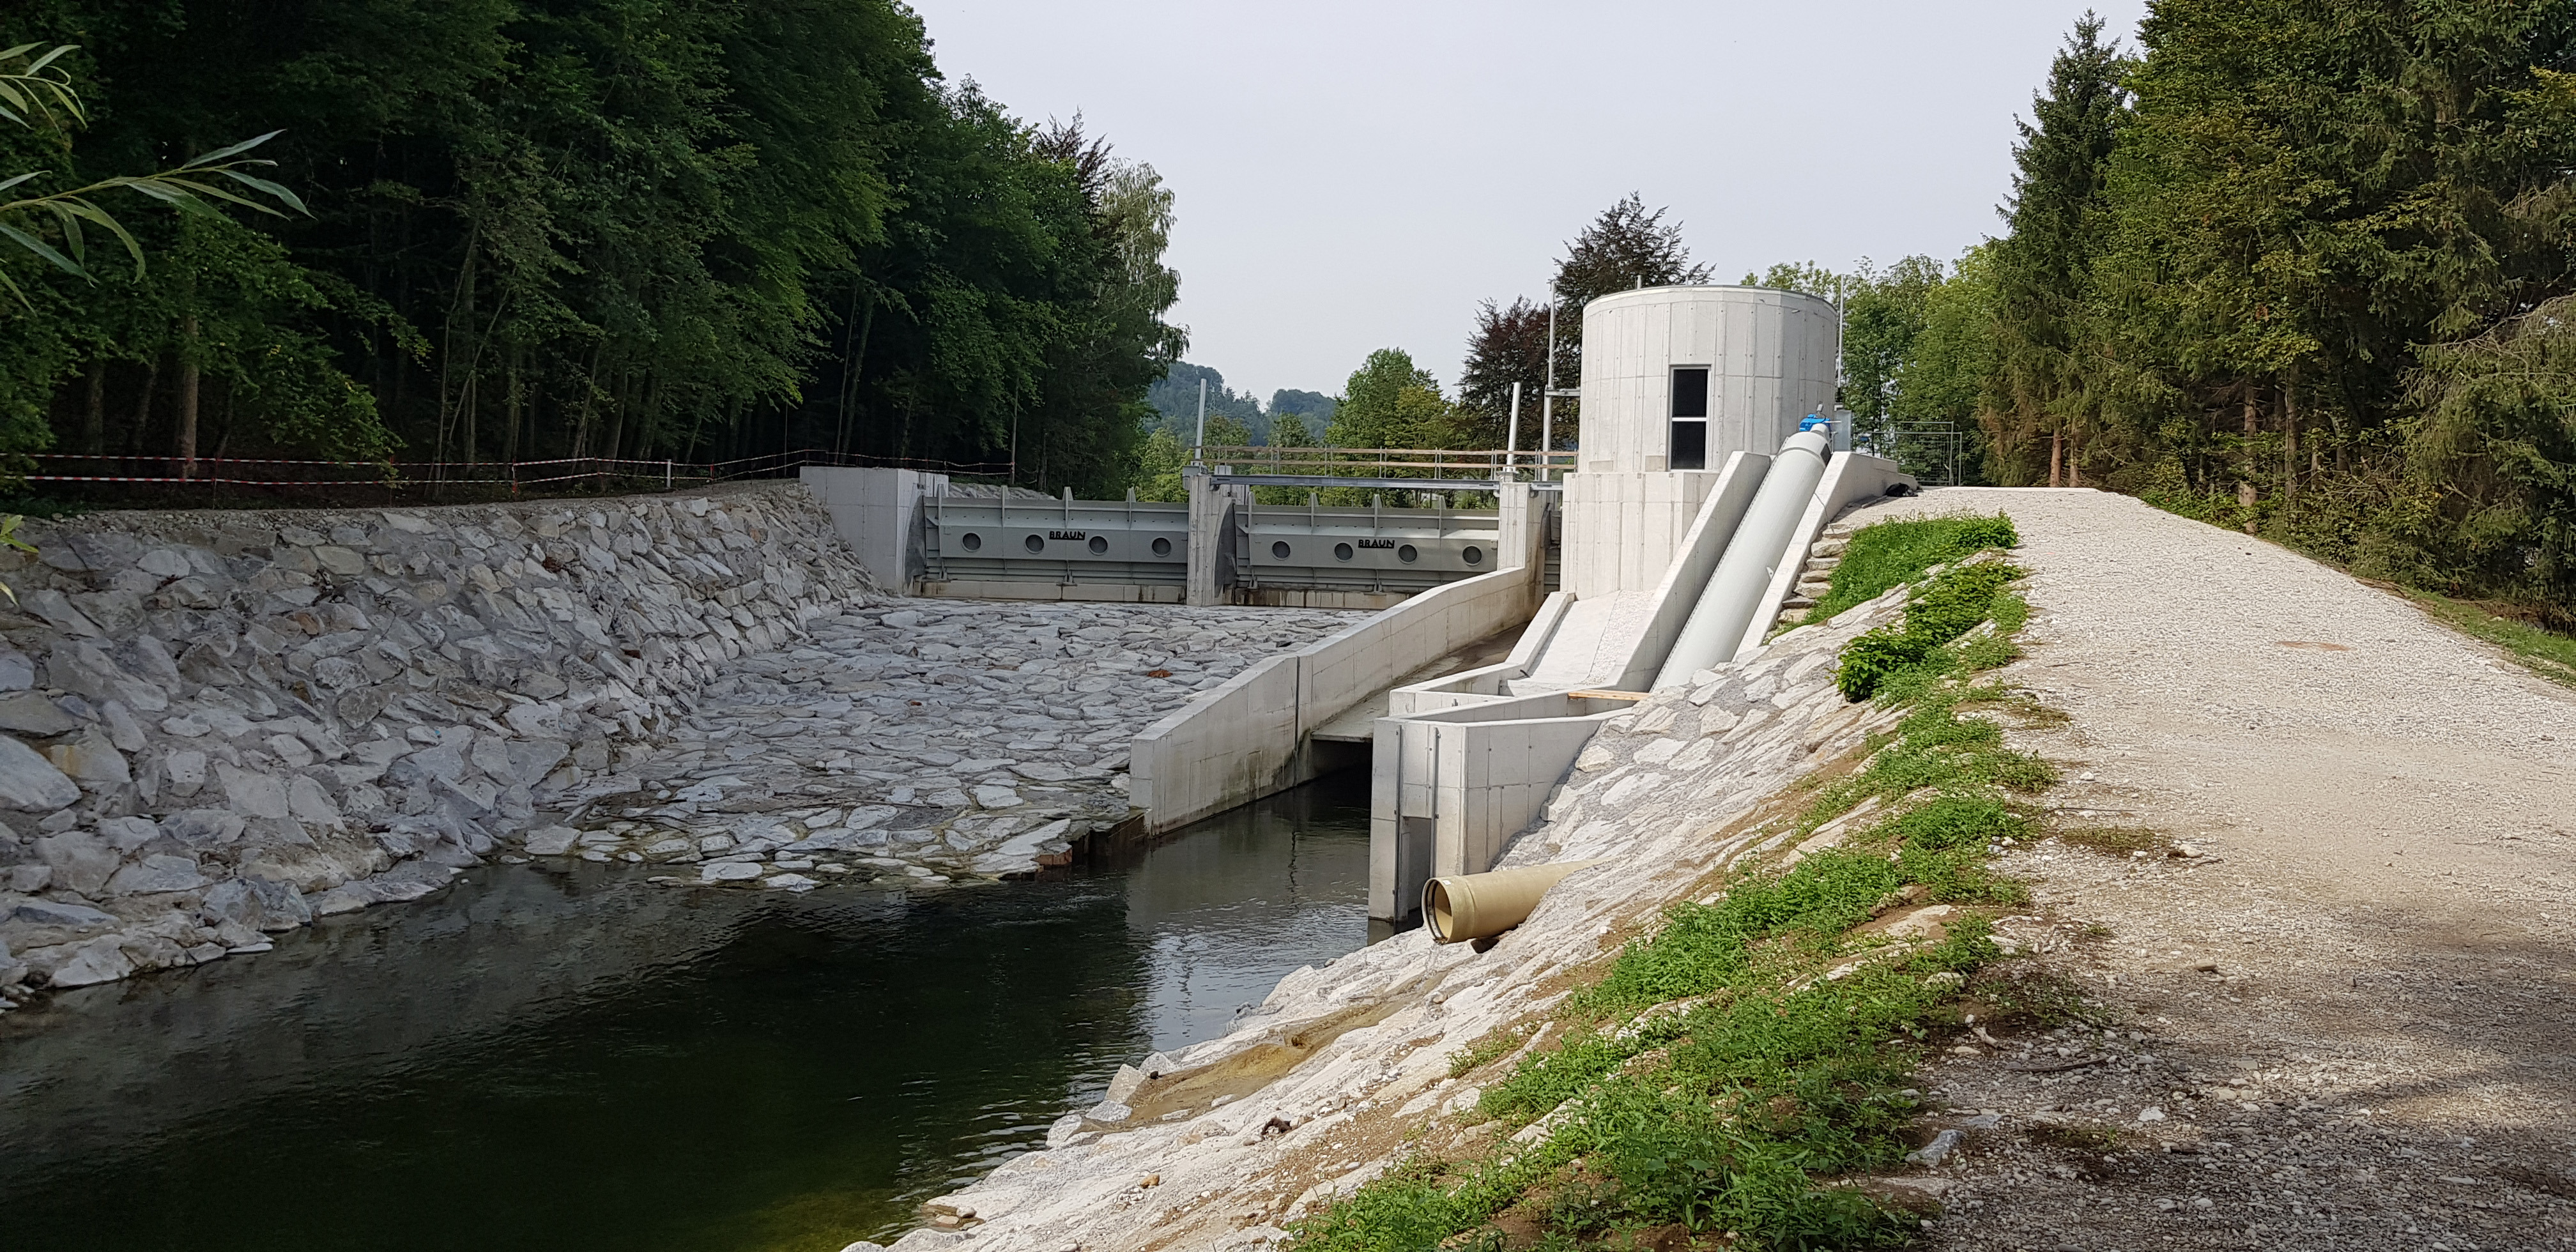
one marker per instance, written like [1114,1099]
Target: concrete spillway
[1464,763]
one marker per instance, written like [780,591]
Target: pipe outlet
[1481,906]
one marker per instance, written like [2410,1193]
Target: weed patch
[1888,554]
[1485,1051]
[2541,650]
[1905,658]
[2118,840]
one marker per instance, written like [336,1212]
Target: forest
[523,229]
[2300,268]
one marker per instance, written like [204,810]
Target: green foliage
[2042,270]
[1956,602]
[38,93]
[2525,636]
[1390,402]
[1159,461]
[1882,317]
[655,228]
[1176,404]
[2497,439]
[1888,554]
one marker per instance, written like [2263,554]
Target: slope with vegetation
[1716,1077]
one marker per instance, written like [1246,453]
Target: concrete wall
[1485,682]
[1691,565]
[1245,739]
[1770,357]
[877,512]
[1449,788]
[1622,528]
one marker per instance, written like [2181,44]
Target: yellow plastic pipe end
[1480,906]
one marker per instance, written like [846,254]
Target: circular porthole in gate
[1035,543]
[1162,547]
[971,542]
[1279,551]
[1341,552]
[1099,545]
[1408,554]
[1473,555]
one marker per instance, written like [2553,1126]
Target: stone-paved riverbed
[926,741]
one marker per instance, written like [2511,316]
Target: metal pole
[1547,405]
[1512,438]
[1199,445]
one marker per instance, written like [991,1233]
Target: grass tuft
[1886,554]
[2118,840]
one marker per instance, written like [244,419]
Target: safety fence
[1430,463]
[275,480]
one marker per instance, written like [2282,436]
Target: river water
[558,1061]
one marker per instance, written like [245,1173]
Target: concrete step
[1799,602]
[1830,547]
[1814,589]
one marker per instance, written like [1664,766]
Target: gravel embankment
[2346,1026]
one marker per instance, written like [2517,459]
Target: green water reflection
[587,1061]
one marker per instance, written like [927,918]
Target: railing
[1486,463]
[512,476]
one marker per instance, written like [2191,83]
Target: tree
[1176,403]
[1883,315]
[1390,402]
[1624,248]
[1947,372]
[627,228]
[2493,453]
[1312,405]
[1509,346]
[2043,269]
[38,92]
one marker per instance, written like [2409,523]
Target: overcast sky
[1353,175]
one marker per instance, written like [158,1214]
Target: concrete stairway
[1816,577]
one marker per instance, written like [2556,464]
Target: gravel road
[2347,1024]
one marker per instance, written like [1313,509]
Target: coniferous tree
[2043,268]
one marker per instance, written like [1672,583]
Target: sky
[1351,176]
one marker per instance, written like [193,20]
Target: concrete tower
[1674,380]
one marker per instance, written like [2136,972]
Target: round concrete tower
[1674,380]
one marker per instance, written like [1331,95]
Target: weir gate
[919,532]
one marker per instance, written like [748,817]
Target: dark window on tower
[1689,445]
[1690,392]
